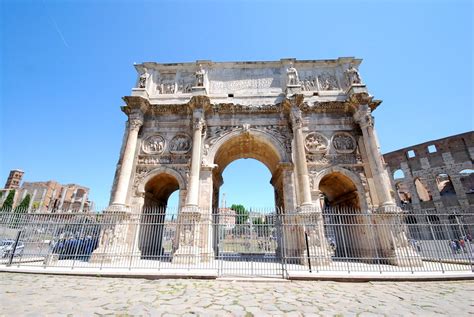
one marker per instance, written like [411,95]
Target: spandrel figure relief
[316,143]
[180,144]
[154,144]
[343,143]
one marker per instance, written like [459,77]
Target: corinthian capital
[135,120]
[198,123]
[134,124]
[364,118]
[296,118]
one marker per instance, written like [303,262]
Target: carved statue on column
[200,74]
[353,75]
[292,76]
[143,78]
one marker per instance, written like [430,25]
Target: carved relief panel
[180,144]
[316,143]
[154,144]
[343,142]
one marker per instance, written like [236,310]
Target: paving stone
[43,295]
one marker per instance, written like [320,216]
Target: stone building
[309,122]
[14,179]
[435,181]
[49,196]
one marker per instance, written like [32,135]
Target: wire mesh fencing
[227,242]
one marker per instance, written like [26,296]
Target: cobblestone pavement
[48,295]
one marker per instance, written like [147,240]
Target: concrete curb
[185,274]
[213,275]
[388,277]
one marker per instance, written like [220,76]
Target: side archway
[341,187]
[344,224]
[157,187]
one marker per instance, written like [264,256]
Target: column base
[187,255]
[112,256]
[406,257]
[316,248]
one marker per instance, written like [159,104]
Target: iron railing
[271,242]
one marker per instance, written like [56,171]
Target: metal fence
[263,243]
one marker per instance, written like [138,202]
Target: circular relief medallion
[316,143]
[343,142]
[181,143]
[154,144]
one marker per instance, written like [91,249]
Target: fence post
[12,254]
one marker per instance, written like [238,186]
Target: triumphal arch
[308,121]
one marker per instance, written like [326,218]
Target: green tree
[241,215]
[8,203]
[23,206]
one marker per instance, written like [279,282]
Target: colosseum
[434,181]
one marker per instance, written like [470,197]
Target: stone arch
[422,191]
[156,188]
[346,176]
[467,180]
[398,174]
[263,137]
[161,170]
[343,221]
[445,184]
[436,228]
[403,192]
[251,143]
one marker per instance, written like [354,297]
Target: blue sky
[66,64]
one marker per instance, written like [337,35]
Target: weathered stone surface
[309,122]
[43,295]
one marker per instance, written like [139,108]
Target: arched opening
[413,228]
[247,230]
[445,185]
[247,182]
[467,180]
[455,227]
[398,174]
[157,229]
[253,146]
[436,228]
[343,222]
[403,193]
[423,193]
[340,191]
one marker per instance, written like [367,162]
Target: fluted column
[193,184]
[135,121]
[381,180]
[300,158]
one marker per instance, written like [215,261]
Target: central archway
[259,236]
[255,145]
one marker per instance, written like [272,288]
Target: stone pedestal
[311,220]
[118,238]
[199,90]
[188,251]
[293,89]
[393,242]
